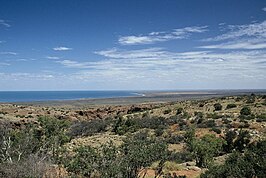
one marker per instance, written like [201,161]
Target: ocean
[27,96]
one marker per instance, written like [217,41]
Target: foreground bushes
[204,149]
[28,152]
[251,163]
[134,156]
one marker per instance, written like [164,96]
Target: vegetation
[217,107]
[230,106]
[169,140]
[251,163]
[204,149]
[245,111]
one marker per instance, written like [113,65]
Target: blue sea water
[26,96]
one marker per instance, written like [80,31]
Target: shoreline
[143,98]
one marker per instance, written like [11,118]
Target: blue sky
[132,45]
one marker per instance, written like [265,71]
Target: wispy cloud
[4,64]
[25,59]
[8,53]
[239,31]
[239,44]
[74,64]
[62,48]
[264,9]
[246,37]
[159,67]
[4,23]
[25,75]
[153,37]
[53,57]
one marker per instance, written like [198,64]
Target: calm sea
[22,96]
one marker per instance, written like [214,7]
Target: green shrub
[216,130]
[245,111]
[261,117]
[179,111]
[198,114]
[230,106]
[217,107]
[88,128]
[201,105]
[167,111]
[249,164]
[205,149]
[207,124]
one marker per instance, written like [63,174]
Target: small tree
[230,137]
[217,107]
[205,149]
[229,106]
[245,111]
[53,134]
[179,111]
[85,161]
[242,140]
[140,152]
[251,163]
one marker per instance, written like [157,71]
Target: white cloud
[23,76]
[4,64]
[74,64]
[53,57]
[257,30]
[264,9]
[142,53]
[8,53]
[4,23]
[156,67]
[161,36]
[239,44]
[246,37]
[62,48]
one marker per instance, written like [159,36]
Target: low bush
[207,124]
[230,106]
[217,107]
[216,130]
[245,111]
[167,111]
[88,128]
[214,115]
[261,117]
[251,163]
[179,111]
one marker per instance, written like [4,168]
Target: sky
[132,45]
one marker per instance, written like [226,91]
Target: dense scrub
[161,140]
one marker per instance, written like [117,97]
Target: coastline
[145,97]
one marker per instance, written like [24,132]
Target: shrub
[199,115]
[201,105]
[159,131]
[230,106]
[245,111]
[261,118]
[249,164]
[136,154]
[205,149]
[217,107]
[207,124]
[88,128]
[179,111]
[32,166]
[250,99]
[167,111]
[216,130]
